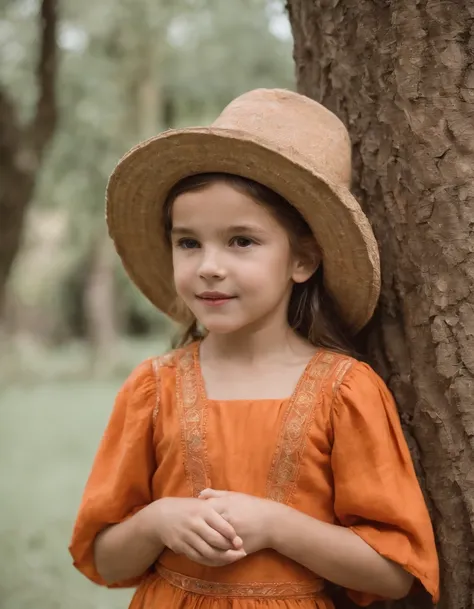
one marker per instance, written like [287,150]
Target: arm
[184,525]
[120,531]
[333,552]
[119,485]
[126,550]
[336,554]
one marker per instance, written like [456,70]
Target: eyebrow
[181,230]
[238,228]
[246,228]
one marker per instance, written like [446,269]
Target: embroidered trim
[157,363]
[252,589]
[193,417]
[341,369]
[286,462]
[192,404]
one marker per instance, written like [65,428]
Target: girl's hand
[194,528]
[252,517]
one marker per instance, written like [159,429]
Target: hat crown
[287,142]
[288,121]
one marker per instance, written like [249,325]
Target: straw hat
[281,139]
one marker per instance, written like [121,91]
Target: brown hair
[311,313]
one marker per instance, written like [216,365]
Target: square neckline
[201,386]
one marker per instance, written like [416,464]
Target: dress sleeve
[377,493]
[119,484]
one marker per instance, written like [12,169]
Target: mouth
[214,298]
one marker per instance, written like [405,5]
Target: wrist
[277,512]
[150,522]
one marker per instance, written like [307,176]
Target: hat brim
[140,183]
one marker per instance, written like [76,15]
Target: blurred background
[72,325]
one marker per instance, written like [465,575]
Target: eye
[242,242]
[187,243]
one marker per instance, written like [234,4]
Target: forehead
[219,205]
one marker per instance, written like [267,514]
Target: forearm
[126,550]
[337,554]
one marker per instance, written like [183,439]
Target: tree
[401,76]
[22,147]
[128,70]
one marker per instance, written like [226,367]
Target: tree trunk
[401,76]
[22,147]
[100,307]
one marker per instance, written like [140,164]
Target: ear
[305,265]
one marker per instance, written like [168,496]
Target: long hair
[311,312]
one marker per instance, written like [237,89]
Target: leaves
[129,69]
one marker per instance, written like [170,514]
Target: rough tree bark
[400,74]
[22,146]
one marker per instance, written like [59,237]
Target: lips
[214,299]
[214,296]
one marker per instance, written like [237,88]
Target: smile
[214,299]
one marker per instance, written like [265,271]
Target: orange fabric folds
[376,490]
[333,450]
[120,481]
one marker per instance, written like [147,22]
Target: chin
[222,327]
[225,324]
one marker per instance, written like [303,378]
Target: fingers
[210,493]
[213,538]
[220,524]
[227,558]
[198,550]
[216,540]
[238,543]
[203,549]
[194,555]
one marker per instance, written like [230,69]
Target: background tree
[401,76]
[23,143]
[128,70]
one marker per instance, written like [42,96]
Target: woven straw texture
[281,139]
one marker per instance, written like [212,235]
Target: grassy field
[48,436]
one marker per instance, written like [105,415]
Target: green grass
[48,436]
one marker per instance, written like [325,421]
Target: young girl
[259,460]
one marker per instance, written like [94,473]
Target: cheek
[270,273]
[276,267]
[181,273]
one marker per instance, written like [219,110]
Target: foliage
[130,68]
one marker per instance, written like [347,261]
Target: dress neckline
[201,387]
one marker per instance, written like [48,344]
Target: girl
[259,460]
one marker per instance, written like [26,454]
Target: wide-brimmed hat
[279,138]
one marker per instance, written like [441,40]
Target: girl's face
[233,265]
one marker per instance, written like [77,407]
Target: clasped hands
[219,528]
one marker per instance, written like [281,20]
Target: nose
[211,266]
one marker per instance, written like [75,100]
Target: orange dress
[334,450]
